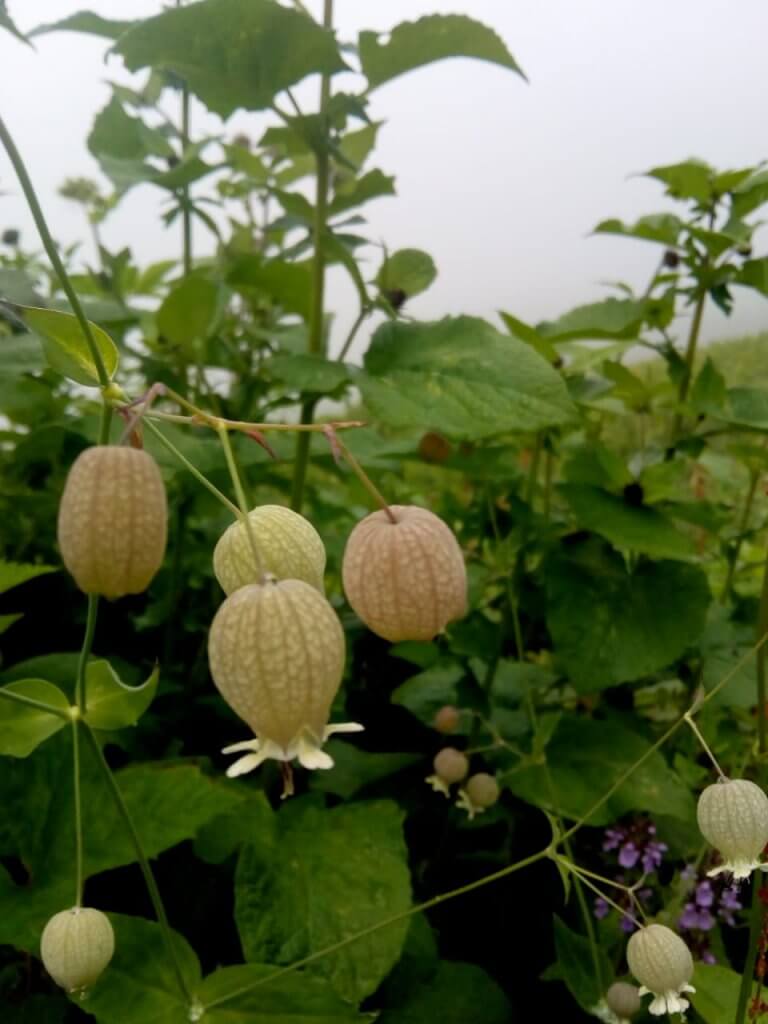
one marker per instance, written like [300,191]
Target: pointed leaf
[87,22]
[664,228]
[66,347]
[112,704]
[611,318]
[13,574]
[577,967]
[24,728]
[189,311]
[7,23]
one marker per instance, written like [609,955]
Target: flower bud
[663,965]
[76,946]
[623,999]
[113,520]
[733,817]
[405,579]
[276,651]
[288,545]
[447,719]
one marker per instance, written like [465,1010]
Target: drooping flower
[623,999]
[663,965]
[76,946]
[733,817]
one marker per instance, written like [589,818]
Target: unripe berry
[288,545]
[663,965]
[482,790]
[623,999]
[733,817]
[276,652]
[76,946]
[113,520]
[405,579]
[450,765]
[447,719]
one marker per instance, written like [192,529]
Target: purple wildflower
[601,908]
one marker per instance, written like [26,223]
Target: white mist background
[499,180]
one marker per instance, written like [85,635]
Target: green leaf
[750,194]
[22,728]
[20,354]
[410,271]
[468,378]
[351,875]
[7,23]
[88,22]
[611,318]
[636,528]
[412,44]
[717,992]
[691,179]
[117,135]
[612,625]
[354,769]
[309,373]
[66,347]
[523,331]
[744,407]
[13,574]
[456,993]
[232,53]
[708,392]
[112,704]
[224,834]
[6,621]
[286,284]
[139,985]
[664,228]
[754,274]
[577,967]
[425,693]
[581,755]
[360,190]
[189,311]
[297,998]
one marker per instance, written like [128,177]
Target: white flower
[305,748]
[663,965]
[733,817]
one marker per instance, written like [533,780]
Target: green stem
[755,927]
[533,471]
[762,630]
[50,247]
[316,318]
[38,705]
[740,534]
[418,909]
[365,480]
[105,423]
[192,468]
[352,334]
[146,870]
[186,209]
[242,501]
[690,357]
[81,697]
[78,813]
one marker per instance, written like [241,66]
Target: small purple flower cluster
[637,850]
[710,902]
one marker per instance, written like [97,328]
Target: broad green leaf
[304,372]
[352,874]
[581,755]
[717,993]
[655,227]
[297,998]
[286,284]
[523,331]
[139,985]
[425,693]
[189,311]
[112,704]
[456,993]
[13,574]
[597,465]
[634,528]
[691,179]
[410,271]
[87,22]
[7,23]
[118,135]
[19,354]
[709,391]
[6,621]
[354,769]
[612,625]
[18,287]
[360,190]
[754,274]
[224,834]
[22,728]
[232,53]
[611,318]
[725,648]
[750,193]
[577,966]
[744,407]
[468,380]
[355,146]
[66,347]
[412,44]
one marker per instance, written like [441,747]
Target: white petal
[245,764]
[439,785]
[235,748]
[342,727]
[310,755]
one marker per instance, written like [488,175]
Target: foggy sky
[501,181]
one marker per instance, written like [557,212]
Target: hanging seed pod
[623,999]
[289,546]
[447,719]
[76,946]
[478,793]
[113,520]
[405,579]
[733,817]
[276,651]
[451,765]
[663,965]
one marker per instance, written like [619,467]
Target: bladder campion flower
[451,766]
[733,817]
[76,946]
[480,792]
[663,965]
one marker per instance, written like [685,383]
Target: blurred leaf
[88,22]
[636,528]
[354,769]
[6,621]
[410,271]
[7,23]
[224,834]
[309,373]
[112,704]
[708,392]
[474,381]
[523,331]
[456,993]
[744,407]
[351,875]
[412,44]
[286,284]
[22,728]
[691,179]
[577,966]
[355,146]
[298,998]
[66,347]
[20,353]
[139,985]
[232,53]
[117,134]
[611,625]
[611,318]
[655,227]
[370,186]
[189,311]
[751,193]
[581,755]
[426,692]
[13,574]
[717,992]
[754,274]
[19,287]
